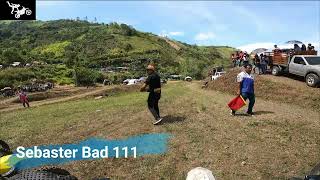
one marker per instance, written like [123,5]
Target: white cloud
[269,45]
[253,46]
[177,33]
[205,36]
[164,33]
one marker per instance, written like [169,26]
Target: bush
[85,77]
[15,76]
[64,81]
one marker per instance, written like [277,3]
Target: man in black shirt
[154,84]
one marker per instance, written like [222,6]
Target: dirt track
[89,92]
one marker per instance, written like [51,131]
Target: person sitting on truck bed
[296,48]
[309,47]
[276,49]
[303,47]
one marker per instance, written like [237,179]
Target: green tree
[85,76]
[11,55]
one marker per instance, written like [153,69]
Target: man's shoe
[158,121]
[232,113]
[250,114]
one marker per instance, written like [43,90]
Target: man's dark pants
[25,103]
[153,106]
[251,98]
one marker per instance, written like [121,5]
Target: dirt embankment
[274,88]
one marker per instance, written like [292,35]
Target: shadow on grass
[263,112]
[256,113]
[172,119]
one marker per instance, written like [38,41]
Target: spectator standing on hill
[264,64]
[237,59]
[233,59]
[256,61]
[245,58]
[23,97]
[261,63]
[246,88]
[241,54]
[153,83]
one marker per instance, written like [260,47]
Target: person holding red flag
[246,88]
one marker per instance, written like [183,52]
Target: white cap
[200,173]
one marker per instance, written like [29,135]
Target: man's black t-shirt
[153,81]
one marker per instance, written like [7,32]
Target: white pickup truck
[217,75]
[307,66]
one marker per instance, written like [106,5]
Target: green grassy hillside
[93,45]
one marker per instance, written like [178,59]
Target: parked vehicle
[7,92]
[217,75]
[188,78]
[304,64]
[132,81]
[163,81]
[125,82]
[34,87]
[142,79]
[175,77]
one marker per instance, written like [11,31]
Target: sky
[242,24]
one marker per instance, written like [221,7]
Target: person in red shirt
[237,58]
[23,98]
[241,54]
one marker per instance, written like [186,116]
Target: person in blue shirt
[246,87]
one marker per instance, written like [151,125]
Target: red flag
[237,103]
